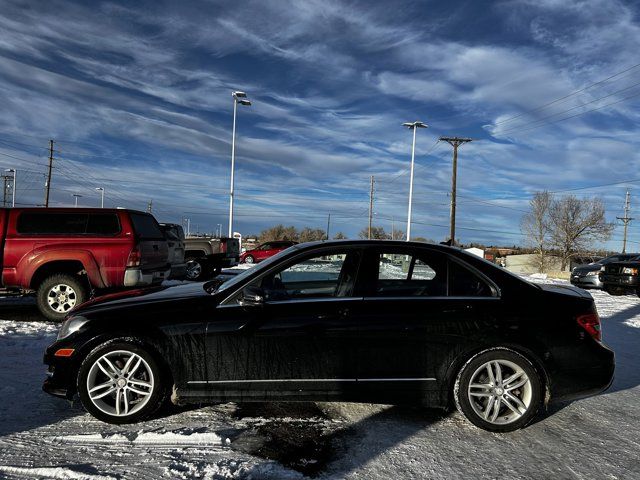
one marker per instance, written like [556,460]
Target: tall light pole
[13,188]
[238,98]
[414,126]
[101,190]
[76,196]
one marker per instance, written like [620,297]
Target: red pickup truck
[64,254]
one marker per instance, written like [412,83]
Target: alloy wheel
[62,298]
[120,383]
[500,392]
[194,270]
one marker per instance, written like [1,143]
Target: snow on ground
[44,437]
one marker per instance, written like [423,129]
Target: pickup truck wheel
[196,269]
[58,294]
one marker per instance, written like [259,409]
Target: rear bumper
[590,378]
[136,277]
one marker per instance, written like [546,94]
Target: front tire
[196,270]
[121,382]
[498,390]
[58,294]
[249,259]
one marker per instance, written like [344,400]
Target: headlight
[70,326]
[630,271]
[594,272]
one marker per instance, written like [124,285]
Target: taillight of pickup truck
[134,257]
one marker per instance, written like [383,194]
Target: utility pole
[455,142]
[150,206]
[371,205]
[328,225]
[625,220]
[47,186]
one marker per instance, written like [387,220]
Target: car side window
[408,275]
[321,276]
[465,283]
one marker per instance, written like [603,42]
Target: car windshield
[265,264]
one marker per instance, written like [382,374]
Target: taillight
[134,257]
[591,323]
[223,247]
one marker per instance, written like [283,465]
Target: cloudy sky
[137,96]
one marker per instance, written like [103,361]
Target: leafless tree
[377,233]
[339,236]
[279,232]
[308,234]
[576,223]
[536,226]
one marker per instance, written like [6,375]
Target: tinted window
[103,224]
[320,276]
[146,227]
[465,283]
[52,223]
[402,275]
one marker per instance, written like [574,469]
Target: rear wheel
[196,269]
[121,382]
[58,294]
[498,390]
[249,259]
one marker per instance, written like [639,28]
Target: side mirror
[252,296]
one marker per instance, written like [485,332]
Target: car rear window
[146,227]
[67,223]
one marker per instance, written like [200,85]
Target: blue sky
[137,96]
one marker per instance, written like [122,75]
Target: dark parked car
[370,321]
[264,251]
[586,276]
[619,278]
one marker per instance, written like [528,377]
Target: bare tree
[279,232]
[576,223]
[377,233]
[308,234]
[339,236]
[537,227]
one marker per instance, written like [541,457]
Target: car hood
[144,296]
[566,290]
[587,268]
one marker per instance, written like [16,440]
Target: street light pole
[76,196]
[13,189]
[414,126]
[238,98]
[101,190]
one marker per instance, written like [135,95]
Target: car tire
[196,269]
[249,259]
[58,294]
[498,390]
[121,381]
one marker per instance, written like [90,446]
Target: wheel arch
[454,367]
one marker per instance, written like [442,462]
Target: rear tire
[498,390]
[197,270]
[121,381]
[59,293]
[249,259]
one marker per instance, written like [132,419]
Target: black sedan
[370,321]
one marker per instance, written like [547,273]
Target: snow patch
[11,328]
[52,473]
[146,438]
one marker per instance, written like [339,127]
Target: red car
[266,250]
[65,254]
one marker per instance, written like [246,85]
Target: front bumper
[136,277]
[626,281]
[586,281]
[60,380]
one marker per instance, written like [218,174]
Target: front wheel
[498,390]
[58,294]
[249,259]
[196,269]
[121,382]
